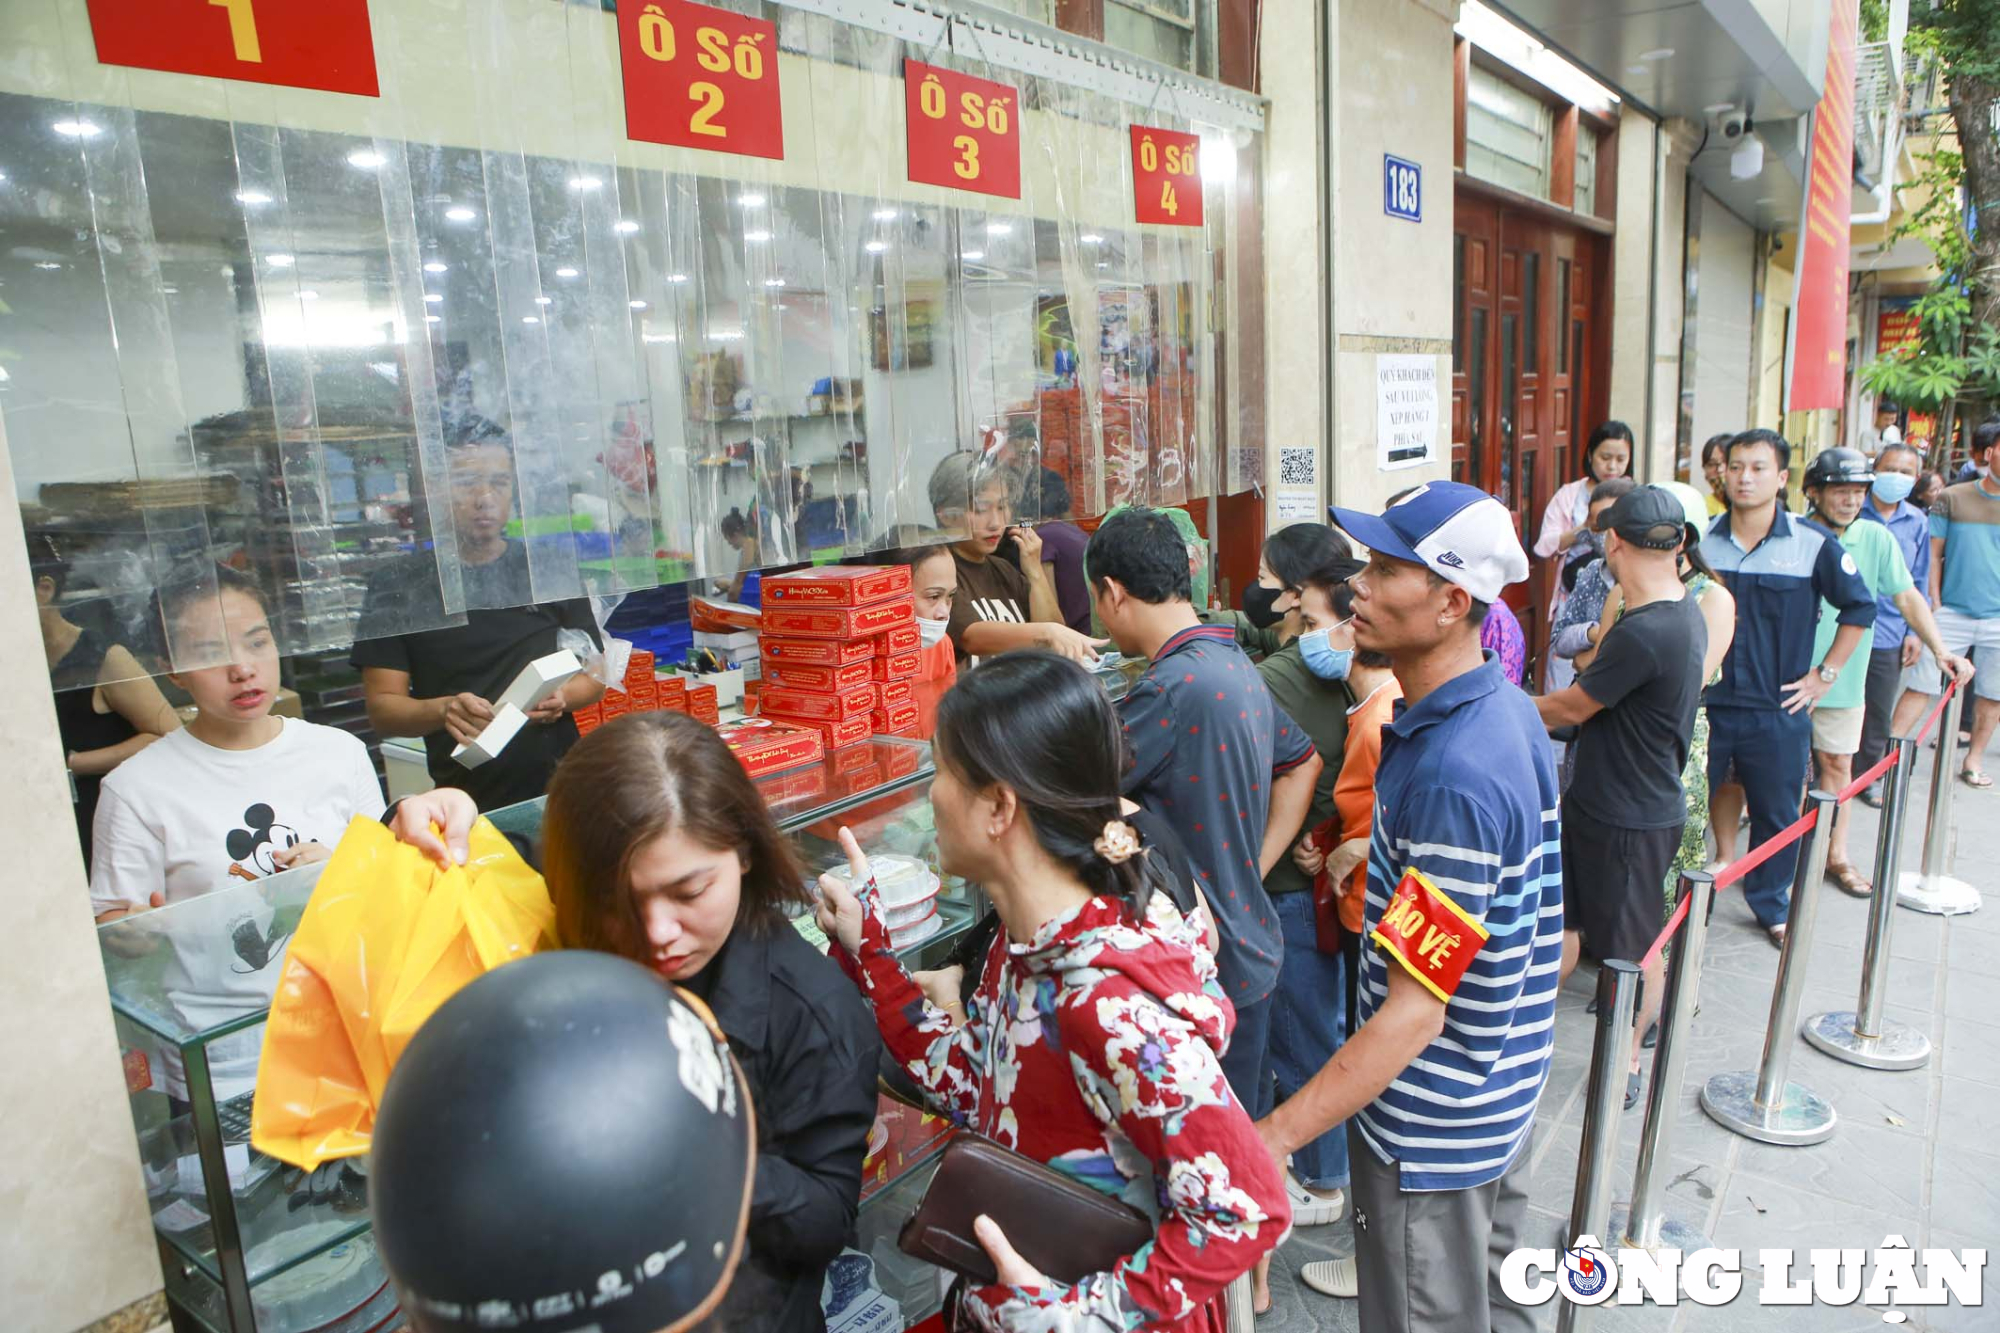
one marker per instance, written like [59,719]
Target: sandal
[1850,880]
[1975,779]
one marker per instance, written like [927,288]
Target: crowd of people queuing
[1276,938]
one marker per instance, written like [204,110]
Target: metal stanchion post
[1864,1037]
[1933,889]
[1760,1103]
[1604,1098]
[1647,1227]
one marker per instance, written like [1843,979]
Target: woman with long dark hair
[657,847]
[1092,1041]
[1566,520]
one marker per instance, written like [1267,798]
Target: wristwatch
[1828,674]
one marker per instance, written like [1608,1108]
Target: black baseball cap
[1646,516]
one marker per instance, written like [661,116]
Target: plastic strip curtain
[98,426]
[335,435]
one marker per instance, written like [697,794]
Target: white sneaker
[1310,1209]
[1333,1277]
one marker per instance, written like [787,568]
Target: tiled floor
[1915,1153]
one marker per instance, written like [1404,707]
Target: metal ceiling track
[975,32]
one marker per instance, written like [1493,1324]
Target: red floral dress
[1094,1049]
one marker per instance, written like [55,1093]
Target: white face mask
[931,631]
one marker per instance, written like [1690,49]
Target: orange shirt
[1354,789]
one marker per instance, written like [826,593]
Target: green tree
[1956,359]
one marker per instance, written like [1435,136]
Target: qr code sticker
[1296,467]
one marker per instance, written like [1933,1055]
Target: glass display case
[248,1243]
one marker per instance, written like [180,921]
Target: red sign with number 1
[326,44]
[701,77]
[1166,177]
[964,133]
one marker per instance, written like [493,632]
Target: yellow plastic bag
[386,938]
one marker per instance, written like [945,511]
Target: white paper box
[538,680]
[743,638]
[507,722]
[728,684]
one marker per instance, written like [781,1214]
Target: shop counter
[248,1243]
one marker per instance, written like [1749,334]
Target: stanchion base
[1941,896]
[1899,1046]
[1802,1116]
[1676,1233]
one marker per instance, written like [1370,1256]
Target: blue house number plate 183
[1402,188]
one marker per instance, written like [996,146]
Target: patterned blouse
[1094,1048]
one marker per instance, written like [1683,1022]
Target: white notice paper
[1406,410]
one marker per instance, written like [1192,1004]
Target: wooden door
[1475,287]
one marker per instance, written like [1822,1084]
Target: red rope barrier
[1937,711]
[1736,870]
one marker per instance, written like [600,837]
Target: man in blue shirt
[1212,753]
[1895,648]
[1760,711]
[1462,928]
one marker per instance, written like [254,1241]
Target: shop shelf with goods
[250,1245]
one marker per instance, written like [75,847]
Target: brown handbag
[1066,1229]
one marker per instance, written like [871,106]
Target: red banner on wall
[1166,177]
[1819,303]
[701,77]
[326,44]
[964,133]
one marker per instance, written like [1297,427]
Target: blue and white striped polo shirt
[1466,793]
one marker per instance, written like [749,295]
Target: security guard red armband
[1429,934]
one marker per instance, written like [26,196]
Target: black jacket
[808,1048]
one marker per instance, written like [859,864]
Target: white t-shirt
[184,818]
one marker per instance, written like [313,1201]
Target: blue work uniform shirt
[1466,794]
[1911,527]
[1206,741]
[1778,586]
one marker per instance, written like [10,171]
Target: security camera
[1731,124]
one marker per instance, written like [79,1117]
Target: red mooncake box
[835,622]
[836,585]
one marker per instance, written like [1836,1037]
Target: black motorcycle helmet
[1839,466]
[566,1143]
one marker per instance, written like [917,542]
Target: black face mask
[1258,604]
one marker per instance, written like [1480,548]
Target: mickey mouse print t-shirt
[184,818]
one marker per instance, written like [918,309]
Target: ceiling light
[752,200]
[774,282]
[638,305]
[756,237]
[885,215]
[432,298]
[1657,53]
[437,266]
[625,226]
[530,319]
[77,129]
[252,198]
[677,277]
[999,228]
[433,319]
[1103,263]
[309,296]
[973,256]
[367,159]
[3,176]
[585,183]
[49,264]
[1091,238]
[1637,69]
[459,214]
[170,291]
[281,261]
[876,247]
[545,300]
[565,272]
